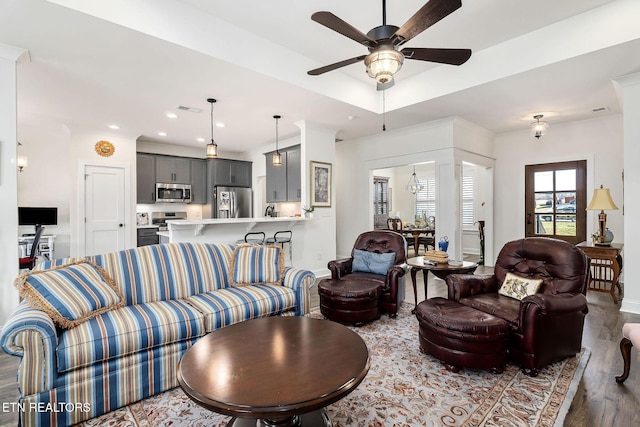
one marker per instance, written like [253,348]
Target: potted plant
[308,211]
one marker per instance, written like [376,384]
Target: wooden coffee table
[281,370]
[441,271]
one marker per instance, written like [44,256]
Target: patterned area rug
[404,387]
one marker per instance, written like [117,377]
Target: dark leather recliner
[545,327]
[381,242]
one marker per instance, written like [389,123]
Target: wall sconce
[538,128]
[22,162]
[602,200]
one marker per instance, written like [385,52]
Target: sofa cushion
[235,304]
[257,265]
[70,294]
[372,262]
[128,330]
[518,287]
[498,305]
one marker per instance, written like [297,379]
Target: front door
[105,209]
[555,200]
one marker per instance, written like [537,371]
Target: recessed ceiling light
[352,117]
[114,127]
[219,125]
[162,133]
[172,115]
[200,139]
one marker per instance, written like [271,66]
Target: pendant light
[538,128]
[277,157]
[414,186]
[212,147]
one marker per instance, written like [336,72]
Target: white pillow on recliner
[518,287]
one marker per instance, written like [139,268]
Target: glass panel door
[555,200]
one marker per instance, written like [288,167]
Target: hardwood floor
[599,400]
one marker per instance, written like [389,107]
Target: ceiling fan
[385,57]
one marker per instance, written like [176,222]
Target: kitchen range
[148,233]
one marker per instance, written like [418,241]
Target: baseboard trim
[630,306]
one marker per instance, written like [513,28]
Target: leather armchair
[380,242]
[547,326]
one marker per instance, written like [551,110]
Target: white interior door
[105,209]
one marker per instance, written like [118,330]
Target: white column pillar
[8,179]
[631,148]
[448,202]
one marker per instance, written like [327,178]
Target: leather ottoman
[462,336]
[350,301]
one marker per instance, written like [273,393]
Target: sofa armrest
[465,285]
[393,276]
[300,281]
[31,334]
[340,268]
[549,304]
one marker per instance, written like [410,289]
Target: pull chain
[384,112]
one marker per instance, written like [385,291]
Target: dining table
[416,232]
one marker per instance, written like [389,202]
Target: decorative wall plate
[105,148]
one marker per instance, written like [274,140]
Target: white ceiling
[125,62]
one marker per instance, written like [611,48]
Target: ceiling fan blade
[428,15]
[385,86]
[443,56]
[331,67]
[336,24]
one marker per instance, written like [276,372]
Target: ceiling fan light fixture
[538,128]
[382,64]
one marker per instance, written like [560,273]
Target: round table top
[418,262]
[274,367]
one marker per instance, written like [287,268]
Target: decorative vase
[308,214]
[608,237]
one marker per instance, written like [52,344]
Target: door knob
[120,225]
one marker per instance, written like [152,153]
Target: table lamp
[602,200]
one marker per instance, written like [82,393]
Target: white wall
[433,141]
[598,141]
[8,180]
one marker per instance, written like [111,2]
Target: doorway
[555,200]
[105,209]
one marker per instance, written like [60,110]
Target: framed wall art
[320,184]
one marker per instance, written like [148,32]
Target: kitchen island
[225,230]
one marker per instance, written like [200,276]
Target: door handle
[528,218]
[120,225]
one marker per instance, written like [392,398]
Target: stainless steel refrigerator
[232,202]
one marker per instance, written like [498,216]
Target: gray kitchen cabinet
[198,181]
[227,172]
[276,180]
[294,187]
[146,178]
[173,170]
[284,182]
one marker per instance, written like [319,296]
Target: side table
[606,264]
[441,271]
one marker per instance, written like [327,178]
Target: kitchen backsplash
[194,211]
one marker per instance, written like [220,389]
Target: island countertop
[213,221]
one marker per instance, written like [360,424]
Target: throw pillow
[70,294]
[519,287]
[257,265]
[372,262]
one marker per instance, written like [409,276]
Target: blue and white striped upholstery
[174,294]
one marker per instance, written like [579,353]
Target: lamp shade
[601,200]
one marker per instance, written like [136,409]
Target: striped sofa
[174,294]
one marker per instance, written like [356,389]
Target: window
[468,202]
[426,198]
[555,200]
[381,201]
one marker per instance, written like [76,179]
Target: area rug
[403,388]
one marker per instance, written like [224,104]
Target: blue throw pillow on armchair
[372,262]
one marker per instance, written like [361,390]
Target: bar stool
[280,238]
[253,238]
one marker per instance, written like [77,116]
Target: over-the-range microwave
[173,193]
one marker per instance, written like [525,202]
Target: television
[37,216]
